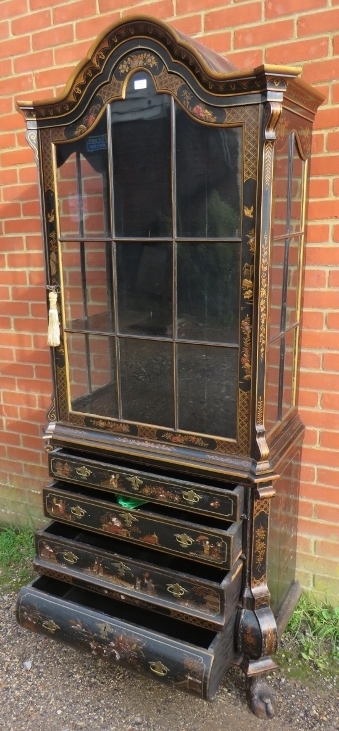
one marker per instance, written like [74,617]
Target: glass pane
[142,160]
[208,292]
[145,288]
[82,185]
[208,176]
[147,381]
[208,387]
[292,282]
[296,191]
[91,374]
[276,286]
[288,388]
[272,384]
[87,278]
[280,181]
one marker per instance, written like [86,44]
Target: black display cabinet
[173,193]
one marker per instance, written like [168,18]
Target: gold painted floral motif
[282,128]
[306,136]
[248,211]
[251,240]
[137,60]
[199,110]
[110,426]
[61,469]
[246,328]
[247,288]
[260,546]
[185,439]
[263,296]
[88,120]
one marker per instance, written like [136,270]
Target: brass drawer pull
[158,668]
[70,557]
[184,539]
[78,512]
[191,497]
[50,625]
[176,590]
[83,472]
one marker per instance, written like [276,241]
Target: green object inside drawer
[129,502]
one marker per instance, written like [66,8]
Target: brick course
[41,40]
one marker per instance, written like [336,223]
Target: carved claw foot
[261,698]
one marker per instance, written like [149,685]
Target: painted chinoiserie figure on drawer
[173,191]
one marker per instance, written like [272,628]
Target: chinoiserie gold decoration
[53,334]
[70,557]
[176,590]
[158,668]
[135,482]
[78,512]
[191,497]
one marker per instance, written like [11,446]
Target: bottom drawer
[193,660]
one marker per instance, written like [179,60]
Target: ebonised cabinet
[173,194]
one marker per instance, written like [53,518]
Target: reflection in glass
[276,286]
[288,377]
[207,384]
[292,282]
[147,381]
[145,288]
[296,191]
[280,182]
[91,374]
[208,161]
[208,292]
[142,161]
[87,279]
[272,384]
[82,175]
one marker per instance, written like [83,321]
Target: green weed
[311,639]
[16,556]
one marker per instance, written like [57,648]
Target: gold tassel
[53,335]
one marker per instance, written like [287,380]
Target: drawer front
[216,547]
[166,590]
[114,640]
[199,498]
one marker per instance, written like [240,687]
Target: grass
[311,640]
[16,556]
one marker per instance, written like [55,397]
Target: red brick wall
[40,41]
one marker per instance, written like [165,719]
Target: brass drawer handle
[83,472]
[191,497]
[176,590]
[70,557]
[78,512]
[158,668]
[184,539]
[50,625]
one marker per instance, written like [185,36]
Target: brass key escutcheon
[50,625]
[70,557]
[83,472]
[158,668]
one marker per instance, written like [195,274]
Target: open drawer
[156,526]
[171,585]
[225,502]
[173,651]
